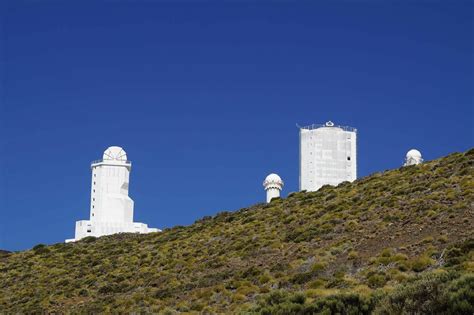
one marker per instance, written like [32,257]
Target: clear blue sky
[204,97]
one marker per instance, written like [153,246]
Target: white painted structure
[273,186]
[328,155]
[413,157]
[111,209]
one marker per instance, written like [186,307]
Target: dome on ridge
[413,153]
[273,180]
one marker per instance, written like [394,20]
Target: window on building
[88,231]
[348,158]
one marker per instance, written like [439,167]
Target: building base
[85,228]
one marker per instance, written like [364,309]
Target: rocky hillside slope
[394,242]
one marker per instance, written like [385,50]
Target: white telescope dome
[413,157]
[115,153]
[273,186]
[273,180]
[413,153]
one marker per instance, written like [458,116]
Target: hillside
[393,242]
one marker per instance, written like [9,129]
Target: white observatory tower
[413,157]
[273,186]
[111,209]
[328,155]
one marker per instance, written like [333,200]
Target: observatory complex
[328,155]
[273,186]
[413,157]
[111,209]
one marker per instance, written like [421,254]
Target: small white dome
[413,158]
[115,153]
[413,153]
[273,180]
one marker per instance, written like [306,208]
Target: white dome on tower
[413,153]
[111,208]
[273,185]
[115,153]
[273,179]
[413,157]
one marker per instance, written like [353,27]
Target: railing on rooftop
[102,161]
[329,124]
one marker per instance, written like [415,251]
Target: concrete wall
[109,192]
[328,155]
[272,192]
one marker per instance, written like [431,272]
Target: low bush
[421,263]
[41,249]
[431,294]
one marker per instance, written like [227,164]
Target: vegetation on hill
[395,242]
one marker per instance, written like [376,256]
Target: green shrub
[302,277]
[431,294]
[41,249]
[318,266]
[282,303]
[460,295]
[421,263]
[377,280]
[455,255]
[342,304]
[89,239]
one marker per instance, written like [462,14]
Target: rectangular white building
[328,155]
[111,209]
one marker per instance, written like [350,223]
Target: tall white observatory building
[273,186]
[111,209]
[413,157]
[328,155]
